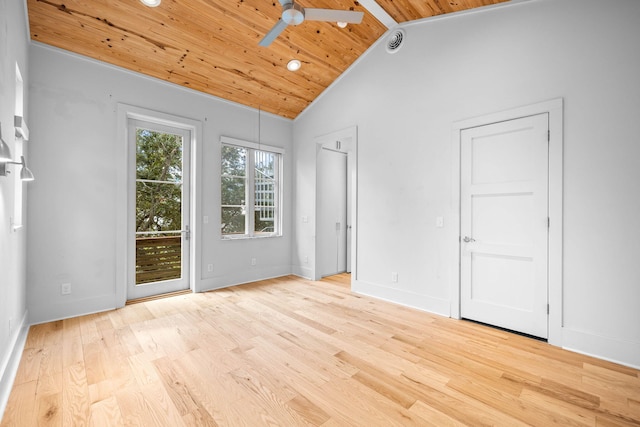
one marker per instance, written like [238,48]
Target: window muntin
[250,178]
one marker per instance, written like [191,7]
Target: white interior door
[504,224]
[332,208]
[159,201]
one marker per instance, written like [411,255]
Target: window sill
[243,237]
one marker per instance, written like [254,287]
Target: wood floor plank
[308,410]
[105,413]
[75,396]
[50,410]
[21,407]
[295,352]
[29,367]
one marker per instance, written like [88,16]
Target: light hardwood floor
[292,352]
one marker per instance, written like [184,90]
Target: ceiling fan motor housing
[292,14]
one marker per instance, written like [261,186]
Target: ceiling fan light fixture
[341,24]
[294,65]
[151,3]
[293,14]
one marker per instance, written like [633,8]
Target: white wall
[473,64]
[75,202]
[13,50]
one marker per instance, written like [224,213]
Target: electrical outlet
[210,267]
[65,289]
[394,277]
[253,261]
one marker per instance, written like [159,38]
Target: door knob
[468,239]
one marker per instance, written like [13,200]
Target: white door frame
[351,149]
[124,113]
[555,110]
[144,290]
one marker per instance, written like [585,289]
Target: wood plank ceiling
[212,45]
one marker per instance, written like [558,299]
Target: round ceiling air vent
[395,40]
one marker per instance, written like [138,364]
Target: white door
[332,208]
[158,214]
[504,224]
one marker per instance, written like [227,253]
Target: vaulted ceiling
[212,45]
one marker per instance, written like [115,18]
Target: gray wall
[13,50]
[583,51]
[75,204]
[13,310]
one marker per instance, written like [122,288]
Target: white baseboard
[399,296]
[43,313]
[622,352]
[246,276]
[300,271]
[11,362]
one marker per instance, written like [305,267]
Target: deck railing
[158,259]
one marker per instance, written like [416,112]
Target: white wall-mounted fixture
[341,24]
[6,159]
[25,173]
[22,131]
[294,65]
[5,151]
[151,3]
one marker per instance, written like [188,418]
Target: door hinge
[548,136]
[548,222]
[547,308]
[187,233]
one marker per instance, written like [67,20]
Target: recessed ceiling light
[342,24]
[294,65]
[151,3]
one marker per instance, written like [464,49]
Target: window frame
[251,148]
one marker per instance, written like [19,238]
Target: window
[18,152]
[251,200]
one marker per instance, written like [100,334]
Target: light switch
[439,222]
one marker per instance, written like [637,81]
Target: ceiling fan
[294,14]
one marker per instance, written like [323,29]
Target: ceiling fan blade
[331,15]
[273,34]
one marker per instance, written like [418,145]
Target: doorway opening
[160,209]
[332,209]
[336,204]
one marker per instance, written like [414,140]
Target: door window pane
[158,206]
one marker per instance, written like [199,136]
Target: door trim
[555,110]
[124,113]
